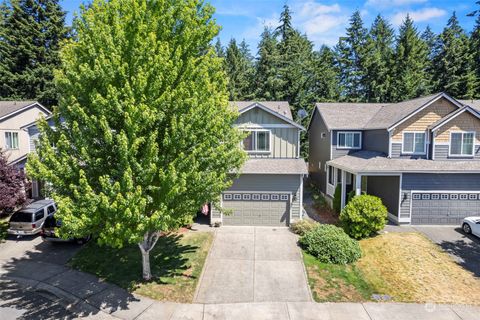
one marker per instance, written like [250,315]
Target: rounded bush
[301,227]
[330,244]
[363,216]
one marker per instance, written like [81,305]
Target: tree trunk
[149,241]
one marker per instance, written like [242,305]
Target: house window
[11,140]
[461,143]
[349,140]
[330,175]
[414,142]
[257,141]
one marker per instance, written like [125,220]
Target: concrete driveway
[465,249]
[253,264]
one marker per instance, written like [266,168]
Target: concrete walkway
[253,264]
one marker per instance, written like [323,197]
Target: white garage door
[256,209]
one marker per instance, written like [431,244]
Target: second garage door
[256,209]
[444,208]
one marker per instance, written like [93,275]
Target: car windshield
[21,216]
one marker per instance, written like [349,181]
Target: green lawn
[177,261]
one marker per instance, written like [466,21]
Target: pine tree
[431,41]
[285,28]
[378,62]
[475,51]
[219,49]
[147,135]
[454,68]
[350,52]
[326,86]
[411,55]
[31,35]
[240,71]
[267,79]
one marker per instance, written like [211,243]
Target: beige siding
[13,124]
[283,141]
[422,120]
[463,122]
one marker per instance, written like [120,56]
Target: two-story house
[269,189]
[421,156]
[16,139]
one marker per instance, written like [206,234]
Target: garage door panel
[444,207]
[256,212]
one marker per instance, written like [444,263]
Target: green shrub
[330,244]
[337,198]
[363,216]
[303,226]
[350,196]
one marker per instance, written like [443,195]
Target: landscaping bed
[176,261]
[402,267]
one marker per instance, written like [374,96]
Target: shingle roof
[274,166]
[7,107]
[370,115]
[475,104]
[347,115]
[371,162]
[448,117]
[280,107]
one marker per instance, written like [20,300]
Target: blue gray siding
[337,153]
[441,153]
[375,140]
[397,153]
[319,151]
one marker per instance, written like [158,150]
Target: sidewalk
[86,296]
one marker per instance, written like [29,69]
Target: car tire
[466,228]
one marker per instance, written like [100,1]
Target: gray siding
[318,151]
[428,181]
[375,140]
[397,153]
[386,188]
[33,134]
[337,153]
[284,141]
[268,183]
[441,153]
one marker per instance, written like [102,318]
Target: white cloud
[392,3]
[421,15]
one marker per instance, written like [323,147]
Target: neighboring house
[15,138]
[421,156]
[270,188]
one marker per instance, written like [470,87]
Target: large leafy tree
[454,67]
[378,62]
[31,33]
[13,185]
[350,52]
[410,70]
[146,135]
[240,70]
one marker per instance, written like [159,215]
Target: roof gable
[453,115]
[11,108]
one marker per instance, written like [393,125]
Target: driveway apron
[253,264]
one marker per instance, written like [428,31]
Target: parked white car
[471,225]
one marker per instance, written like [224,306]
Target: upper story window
[462,143]
[414,142]
[11,140]
[257,141]
[349,140]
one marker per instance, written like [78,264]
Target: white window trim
[255,140]
[11,134]
[462,155]
[328,175]
[424,143]
[349,148]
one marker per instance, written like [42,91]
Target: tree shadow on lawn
[466,252]
[168,259]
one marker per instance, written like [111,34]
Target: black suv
[48,232]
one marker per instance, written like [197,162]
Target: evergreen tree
[219,49]
[454,68]
[267,80]
[240,71]
[431,41]
[147,135]
[411,55]
[378,62]
[30,36]
[285,28]
[350,52]
[475,51]
[326,86]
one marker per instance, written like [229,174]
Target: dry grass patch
[410,268]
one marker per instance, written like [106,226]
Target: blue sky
[323,21]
